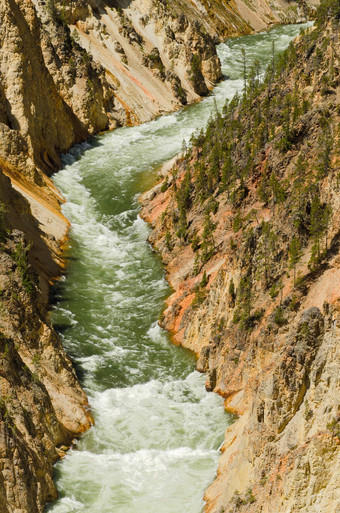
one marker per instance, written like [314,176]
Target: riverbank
[264,322]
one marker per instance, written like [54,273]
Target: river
[155,444]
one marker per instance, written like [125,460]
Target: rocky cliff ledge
[247,223]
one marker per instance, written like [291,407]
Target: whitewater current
[155,444]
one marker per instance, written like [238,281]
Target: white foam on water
[193,418]
[138,480]
[69,505]
[67,315]
[95,361]
[156,335]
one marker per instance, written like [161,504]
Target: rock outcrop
[42,407]
[159,55]
[247,223]
[52,95]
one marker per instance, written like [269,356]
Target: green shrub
[279,318]
[237,222]
[334,427]
[3,229]
[20,257]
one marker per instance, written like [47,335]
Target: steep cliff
[42,407]
[159,55]
[247,223]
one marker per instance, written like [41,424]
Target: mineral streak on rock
[248,227]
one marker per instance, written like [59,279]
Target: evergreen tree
[265,253]
[324,153]
[278,192]
[295,254]
[168,243]
[232,292]
[208,243]
[319,221]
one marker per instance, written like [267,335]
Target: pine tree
[319,221]
[204,280]
[295,254]
[237,222]
[227,173]
[279,194]
[266,253]
[168,243]
[324,154]
[208,243]
[232,292]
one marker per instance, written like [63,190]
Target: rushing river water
[155,445]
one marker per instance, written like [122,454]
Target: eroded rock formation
[42,407]
[247,223]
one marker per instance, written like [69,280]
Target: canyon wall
[70,69]
[42,407]
[159,55]
[247,223]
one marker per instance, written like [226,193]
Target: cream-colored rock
[42,405]
[279,375]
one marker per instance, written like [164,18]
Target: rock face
[157,55]
[147,50]
[247,223]
[52,95]
[69,69]
[42,407]
[44,77]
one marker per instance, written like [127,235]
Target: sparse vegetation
[334,427]
[239,501]
[21,258]
[223,164]
[3,228]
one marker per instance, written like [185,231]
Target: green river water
[155,444]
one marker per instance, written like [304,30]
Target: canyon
[72,69]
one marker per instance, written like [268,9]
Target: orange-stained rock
[279,375]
